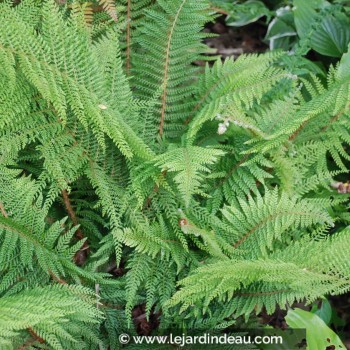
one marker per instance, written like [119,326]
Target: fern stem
[262,222]
[80,256]
[71,212]
[166,69]
[335,118]
[128,38]
[35,336]
[260,294]
[155,190]
[296,133]
[233,169]
[57,279]
[3,211]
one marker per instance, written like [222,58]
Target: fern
[109,7]
[249,285]
[167,72]
[31,320]
[134,178]
[187,162]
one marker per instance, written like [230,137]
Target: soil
[231,41]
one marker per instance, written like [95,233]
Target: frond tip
[190,164]
[109,7]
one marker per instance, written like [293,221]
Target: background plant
[320,25]
[212,193]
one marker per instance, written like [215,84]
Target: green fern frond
[67,78]
[190,164]
[164,62]
[235,85]
[134,178]
[249,285]
[31,319]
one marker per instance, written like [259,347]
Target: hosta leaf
[243,14]
[330,35]
[344,67]
[324,312]
[318,334]
[333,36]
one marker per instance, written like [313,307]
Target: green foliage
[324,312]
[71,317]
[188,162]
[295,24]
[240,14]
[326,27]
[318,335]
[135,173]
[163,67]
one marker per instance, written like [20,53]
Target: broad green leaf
[330,35]
[281,29]
[318,334]
[333,36]
[249,12]
[304,15]
[284,43]
[344,66]
[325,311]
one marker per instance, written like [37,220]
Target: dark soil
[341,306]
[231,41]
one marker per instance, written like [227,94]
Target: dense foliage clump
[130,174]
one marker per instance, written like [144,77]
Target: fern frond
[247,285]
[233,83]
[30,317]
[255,225]
[164,62]
[189,163]
[109,7]
[67,78]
